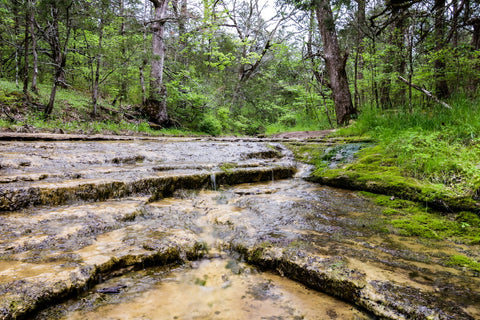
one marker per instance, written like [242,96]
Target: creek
[205,229]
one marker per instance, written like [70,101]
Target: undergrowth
[436,144]
[298,122]
[72,114]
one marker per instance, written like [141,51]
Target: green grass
[298,122]
[72,114]
[437,145]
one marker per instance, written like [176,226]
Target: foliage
[210,125]
[253,75]
[437,145]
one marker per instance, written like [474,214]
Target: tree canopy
[243,65]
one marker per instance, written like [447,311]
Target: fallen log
[424,91]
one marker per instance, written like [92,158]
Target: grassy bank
[429,155]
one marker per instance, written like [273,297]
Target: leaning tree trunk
[335,62]
[156,106]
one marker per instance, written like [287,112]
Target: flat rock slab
[322,237]
[57,172]
[116,206]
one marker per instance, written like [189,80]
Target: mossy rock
[373,171]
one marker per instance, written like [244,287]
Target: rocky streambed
[205,228]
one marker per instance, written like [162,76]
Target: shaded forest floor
[73,114]
[303,134]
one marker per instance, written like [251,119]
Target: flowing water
[208,289]
[206,246]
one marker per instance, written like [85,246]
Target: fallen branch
[12,118]
[121,111]
[426,92]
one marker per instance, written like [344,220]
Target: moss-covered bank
[375,170]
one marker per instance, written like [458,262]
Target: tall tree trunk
[441,86]
[475,82]
[123,85]
[359,63]
[395,62]
[144,57]
[318,76]
[54,41]
[31,22]
[156,107]
[475,22]
[335,62]
[26,50]
[181,13]
[16,32]
[96,81]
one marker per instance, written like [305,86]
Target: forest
[236,66]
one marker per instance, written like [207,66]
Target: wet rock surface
[328,239]
[58,172]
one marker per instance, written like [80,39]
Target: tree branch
[424,91]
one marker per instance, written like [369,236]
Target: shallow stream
[283,248]
[218,288]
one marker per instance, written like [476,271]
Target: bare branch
[424,91]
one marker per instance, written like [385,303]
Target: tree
[156,106]
[103,5]
[33,36]
[58,47]
[255,38]
[335,62]
[441,85]
[361,22]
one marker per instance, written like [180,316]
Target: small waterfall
[214,181]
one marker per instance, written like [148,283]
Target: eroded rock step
[59,172]
[162,185]
[322,237]
[50,254]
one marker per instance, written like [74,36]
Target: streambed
[217,288]
[328,239]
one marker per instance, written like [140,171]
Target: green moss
[468,219]
[459,260]
[409,218]
[201,282]
[390,212]
[390,202]
[413,228]
[228,166]
[475,240]
[311,153]
[375,171]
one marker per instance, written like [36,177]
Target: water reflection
[210,289]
